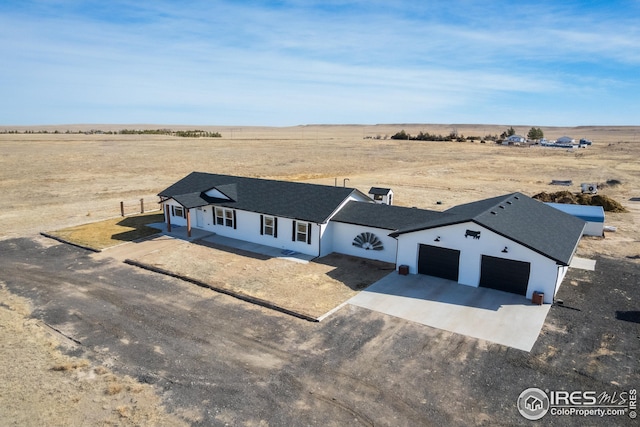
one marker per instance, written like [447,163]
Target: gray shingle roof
[384,216]
[520,218]
[379,190]
[308,202]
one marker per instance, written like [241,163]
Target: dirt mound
[607,203]
[557,197]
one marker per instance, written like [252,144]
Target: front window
[177,211]
[219,213]
[269,225]
[224,217]
[228,217]
[302,230]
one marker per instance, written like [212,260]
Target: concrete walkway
[487,314]
[259,249]
[180,232]
[583,263]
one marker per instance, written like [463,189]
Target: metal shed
[593,215]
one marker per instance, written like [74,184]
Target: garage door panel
[505,274]
[439,262]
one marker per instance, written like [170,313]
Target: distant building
[565,140]
[381,195]
[514,139]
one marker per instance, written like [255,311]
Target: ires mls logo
[534,403]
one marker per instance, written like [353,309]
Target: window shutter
[275,227]
[309,233]
[235,223]
[293,232]
[173,212]
[261,224]
[184,212]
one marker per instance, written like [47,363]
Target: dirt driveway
[215,360]
[311,289]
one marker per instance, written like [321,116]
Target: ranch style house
[510,243]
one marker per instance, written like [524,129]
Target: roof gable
[225,192]
[520,218]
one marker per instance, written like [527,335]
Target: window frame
[302,236]
[218,216]
[177,211]
[224,217]
[269,229]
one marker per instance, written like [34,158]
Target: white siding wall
[175,220]
[544,272]
[345,233]
[326,231]
[248,229]
[562,271]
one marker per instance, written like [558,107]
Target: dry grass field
[52,181]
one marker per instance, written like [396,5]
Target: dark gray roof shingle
[520,218]
[379,191]
[308,202]
[384,216]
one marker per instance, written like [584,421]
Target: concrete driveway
[499,317]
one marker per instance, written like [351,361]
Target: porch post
[168,215]
[188,224]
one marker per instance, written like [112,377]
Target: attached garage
[504,274]
[510,243]
[439,262]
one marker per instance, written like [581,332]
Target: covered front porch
[180,218]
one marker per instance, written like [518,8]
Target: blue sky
[290,62]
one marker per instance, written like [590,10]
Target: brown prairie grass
[114,388]
[70,365]
[100,370]
[111,232]
[124,411]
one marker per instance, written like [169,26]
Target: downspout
[395,237]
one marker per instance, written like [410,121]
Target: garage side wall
[344,235]
[543,273]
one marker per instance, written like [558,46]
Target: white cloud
[297,62]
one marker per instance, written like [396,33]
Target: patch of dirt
[42,386]
[311,289]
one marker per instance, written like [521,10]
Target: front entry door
[199,217]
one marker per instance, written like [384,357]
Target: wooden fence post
[141,205]
[122,208]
